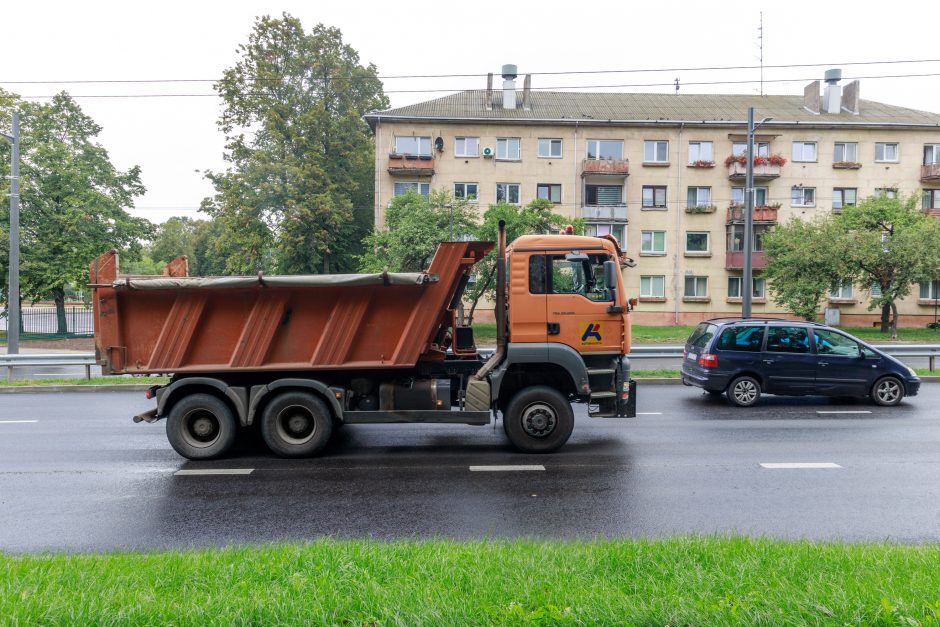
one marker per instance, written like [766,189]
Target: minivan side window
[746,339]
[832,343]
[702,334]
[787,340]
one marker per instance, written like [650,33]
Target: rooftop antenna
[677,86]
[760,43]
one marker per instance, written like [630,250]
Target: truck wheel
[201,426]
[538,419]
[296,424]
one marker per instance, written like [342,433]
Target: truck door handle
[554,328]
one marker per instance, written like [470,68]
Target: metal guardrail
[930,351]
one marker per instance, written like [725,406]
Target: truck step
[600,395]
[599,371]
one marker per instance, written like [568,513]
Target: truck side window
[537,274]
[580,277]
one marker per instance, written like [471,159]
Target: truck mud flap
[627,406]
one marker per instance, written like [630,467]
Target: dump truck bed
[179,324]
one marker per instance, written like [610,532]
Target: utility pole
[13,294]
[746,281]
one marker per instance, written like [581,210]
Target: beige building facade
[665,175]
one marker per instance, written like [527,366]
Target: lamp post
[13,295]
[747,288]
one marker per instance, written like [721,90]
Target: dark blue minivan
[749,357]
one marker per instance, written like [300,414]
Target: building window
[655,151]
[654,196]
[700,196]
[735,243]
[803,197]
[701,151]
[467,147]
[931,154]
[844,197]
[734,287]
[413,145]
[605,149]
[760,196]
[930,290]
[653,242]
[507,193]
[761,149]
[696,286]
[696,242]
[932,199]
[841,291]
[804,151]
[886,152]
[550,148]
[846,151]
[599,229]
[508,148]
[549,191]
[466,191]
[652,287]
[603,195]
[402,187]
[887,192]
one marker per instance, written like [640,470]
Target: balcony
[765,168]
[605,167]
[734,260]
[410,165]
[930,172]
[761,214]
[613,213]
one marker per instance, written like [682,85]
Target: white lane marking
[791,465]
[649,413]
[506,468]
[847,411]
[216,471]
[16,422]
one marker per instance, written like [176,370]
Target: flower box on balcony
[394,155]
[701,209]
[425,157]
[761,214]
[411,157]
[846,165]
[701,163]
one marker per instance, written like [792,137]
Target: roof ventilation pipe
[509,86]
[832,96]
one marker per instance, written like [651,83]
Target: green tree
[536,217]
[804,259]
[892,243]
[301,157]
[8,104]
[414,226]
[73,200]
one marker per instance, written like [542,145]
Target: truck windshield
[580,277]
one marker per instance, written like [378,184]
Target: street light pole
[748,217]
[13,294]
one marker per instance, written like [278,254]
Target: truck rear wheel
[201,426]
[538,419]
[296,424]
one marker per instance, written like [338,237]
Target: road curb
[53,389]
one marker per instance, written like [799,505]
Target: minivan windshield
[702,334]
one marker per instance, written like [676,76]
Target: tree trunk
[58,295]
[894,321]
[885,313]
[326,263]
[486,284]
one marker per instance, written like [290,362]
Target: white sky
[175,139]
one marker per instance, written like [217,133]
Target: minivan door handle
[768,361]
[823,363]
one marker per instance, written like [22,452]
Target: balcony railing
[763,171]
[605,167]
[734,260]
[930,172]
[761,214]
[410,165]
[617,213]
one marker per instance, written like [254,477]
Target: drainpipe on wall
[379,217]
[574,170]
[675,269]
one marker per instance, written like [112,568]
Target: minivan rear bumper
[708,381]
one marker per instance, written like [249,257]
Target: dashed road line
[216,471]
[649,413]
[16,422]
[844,411]
[508,468]
[798,465]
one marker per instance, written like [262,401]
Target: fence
[42,322]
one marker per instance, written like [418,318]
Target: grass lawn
[696,581]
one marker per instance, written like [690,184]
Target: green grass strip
[83,381]
[681,581]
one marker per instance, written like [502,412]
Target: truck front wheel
[296,424]
[201,426]
[538,419]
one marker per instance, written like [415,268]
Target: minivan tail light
[708,360]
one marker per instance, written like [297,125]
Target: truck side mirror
[610,274]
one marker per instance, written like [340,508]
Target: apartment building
[664,173]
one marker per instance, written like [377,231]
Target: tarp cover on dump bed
[303,280]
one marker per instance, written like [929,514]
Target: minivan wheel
[887,392]
[744,391]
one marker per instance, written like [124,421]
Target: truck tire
[201,426]
[296,424]
[538,419]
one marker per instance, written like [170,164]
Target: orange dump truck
[300,355]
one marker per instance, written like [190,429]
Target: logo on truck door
[590,332]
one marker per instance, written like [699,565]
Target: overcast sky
[175,139]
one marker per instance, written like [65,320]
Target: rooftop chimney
[509,86]
[527,93]
[850,98]
[811,97]
[832,96]
[488,96]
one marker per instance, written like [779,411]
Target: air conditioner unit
[488,152]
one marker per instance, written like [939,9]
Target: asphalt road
[78,475]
